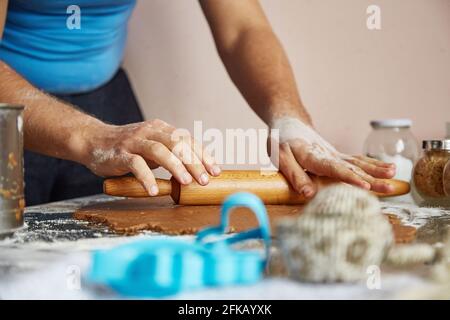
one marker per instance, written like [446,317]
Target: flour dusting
[101,156]
[413,215]
[292,129]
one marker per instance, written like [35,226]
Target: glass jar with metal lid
[431,175]
[392,141]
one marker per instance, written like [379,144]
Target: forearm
[57,129]
[51,127]
[259,67]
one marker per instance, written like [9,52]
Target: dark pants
[49,179]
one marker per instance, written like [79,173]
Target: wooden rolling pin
[272,189]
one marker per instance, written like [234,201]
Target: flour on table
[412,215]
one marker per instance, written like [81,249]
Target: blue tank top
[43,41]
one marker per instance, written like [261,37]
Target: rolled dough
[160,214]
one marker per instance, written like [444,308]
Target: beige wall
[346,73]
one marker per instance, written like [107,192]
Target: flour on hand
[292,129]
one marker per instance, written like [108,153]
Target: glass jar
[432,173]
[392,141]
[447,136]
[446,179]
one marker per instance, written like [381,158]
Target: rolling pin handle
[131,187]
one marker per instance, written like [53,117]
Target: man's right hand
[136,148]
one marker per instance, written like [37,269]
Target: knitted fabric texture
[340,234]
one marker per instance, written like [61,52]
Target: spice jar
[431,173]
[447,179]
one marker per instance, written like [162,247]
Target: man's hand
[260,69]
[135,148]
[303,150]
[56,129]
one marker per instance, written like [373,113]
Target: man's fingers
[345,170]
[376,162]
[342,172]
[152,165]
[182,136]
[334,168]
[380,186]
[158,153]
[179,142]
[190,160]
[375,184]
[208,161]
[294,173]
[139,168]
[372,168]
[171,136]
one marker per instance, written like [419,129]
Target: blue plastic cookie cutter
[165,266]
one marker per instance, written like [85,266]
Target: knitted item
[341,233]
[402,255]
[441,270]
